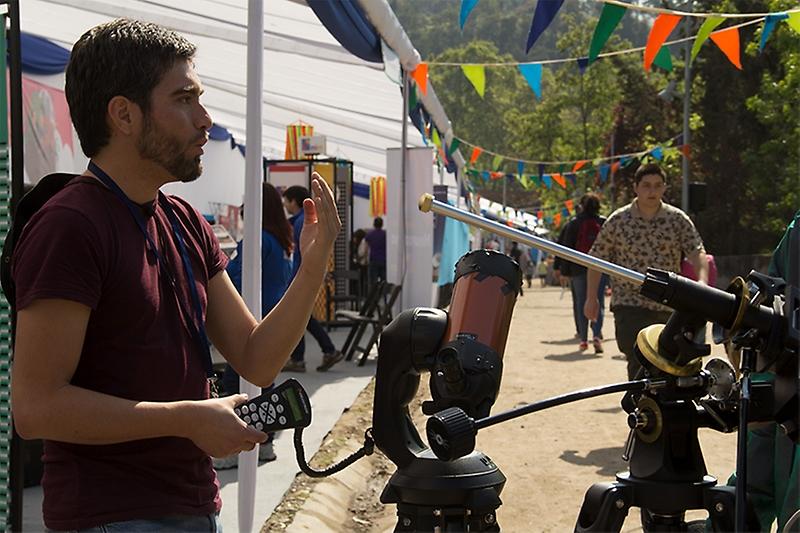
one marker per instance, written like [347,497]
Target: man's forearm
[81,416]
[592,283]
[699,261]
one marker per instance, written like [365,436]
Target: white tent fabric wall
[351,102]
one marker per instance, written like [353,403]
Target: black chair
[351,280]
[358,319]
[380,316]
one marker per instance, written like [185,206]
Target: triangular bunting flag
[661,29]
[485,175]
[609,19]
[686,150]
[702,34]
[769,25]
[663,59]
[564,212]
[794,21]
[604,168]
[624,160]
[476,152]
[728,41]
[412,98]
[546,11]
[541,170]
[548,181]
[532,72]
[497,161]
[476,74]
[579,165]
[583,62]
[453,146]
[466,8]
[558,178]
[435,138]
[540,215]
[657,153]
[614,167]
[420,75]
[557,219]
[569,205]
[572,177]
[520,168]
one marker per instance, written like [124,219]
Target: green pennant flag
[705,30]
[794,21]
[609,19]
[663,59]
[412,98]
[476,74]
[453,146]
[496,162]
[435,138]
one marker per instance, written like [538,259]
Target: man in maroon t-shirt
[111,276]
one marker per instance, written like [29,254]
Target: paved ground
[331,393]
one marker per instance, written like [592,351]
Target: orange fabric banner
[293,134]
[569,205]
[420,75]
[579,165]
[377,196]
[557,219]
[558,178]
[476,152]
[728,42]
[614,167]
[540,215]
[661,29]
[686,150]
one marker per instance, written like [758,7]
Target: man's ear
[124,116]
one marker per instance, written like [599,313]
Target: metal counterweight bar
[427,203]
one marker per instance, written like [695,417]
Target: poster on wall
[49,140]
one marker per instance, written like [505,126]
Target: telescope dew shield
[469,365]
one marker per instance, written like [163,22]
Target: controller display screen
[295,407]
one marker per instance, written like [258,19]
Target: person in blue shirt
[277,244]
[293,198]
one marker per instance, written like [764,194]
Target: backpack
[27,206]
[587,233]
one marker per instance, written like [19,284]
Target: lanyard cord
[197,326]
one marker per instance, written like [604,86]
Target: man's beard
[167,151]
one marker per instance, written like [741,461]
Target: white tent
[308,76]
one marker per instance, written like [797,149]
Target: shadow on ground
[608,460]
[572,356]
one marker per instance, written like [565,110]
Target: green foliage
[745,125]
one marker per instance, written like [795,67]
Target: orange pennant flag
[557,219]
[496,175]
[728,41]
[569,205]
[686,150]
[614,167]
[579,165]
[420,75]
[661,29]
[540,215]
[558,178]
[476,152]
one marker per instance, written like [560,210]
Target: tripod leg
[604,508]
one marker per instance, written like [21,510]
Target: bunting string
[666,11]
[573,59]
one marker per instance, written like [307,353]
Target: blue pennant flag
[520,168]
[604,172]
[545,13]
[624,160]
[572,177]
[548,180]
[485,175]
[583,62]
[541,170]
[532,72]
[565,212]
[769,25]
[466,9]
[657,153]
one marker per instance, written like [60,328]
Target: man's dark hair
[590,204]
[120,58]
[649,169]
[377,223]
[296,193]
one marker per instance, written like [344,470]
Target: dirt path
[550,458]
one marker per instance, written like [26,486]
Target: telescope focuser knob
[451,434]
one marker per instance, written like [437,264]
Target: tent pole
[403,167]
[251,263]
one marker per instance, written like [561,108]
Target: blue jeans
[179,523]
[578,285]
[319,334]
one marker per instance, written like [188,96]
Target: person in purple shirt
[119,288]
[376,239]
